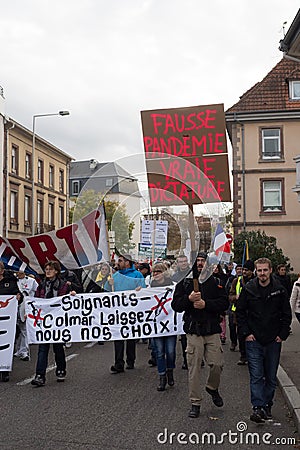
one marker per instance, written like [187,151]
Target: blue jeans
[165,350]
[42,361]
[263,361]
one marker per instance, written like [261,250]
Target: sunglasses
[157,271]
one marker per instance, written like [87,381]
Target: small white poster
[8,320]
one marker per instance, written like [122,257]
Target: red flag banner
[80,244]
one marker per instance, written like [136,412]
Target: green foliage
[119,222]
[116,217]
[259,245]
[229,218]
[84,204]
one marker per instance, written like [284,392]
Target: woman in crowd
[295,298]
[145,269]
[101,278]
[164,346]
[51,286]
[27,285]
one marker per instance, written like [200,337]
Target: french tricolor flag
[221,244]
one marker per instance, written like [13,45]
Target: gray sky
[105,61]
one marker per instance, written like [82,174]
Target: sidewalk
[288,374]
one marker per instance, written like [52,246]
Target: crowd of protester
[208,308]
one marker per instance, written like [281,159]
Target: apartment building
[264,130]
[47,209]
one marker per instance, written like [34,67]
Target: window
[40,214]
[295,90]
[271,143]
[51,176]
[75,187]
[13,206]
[108,182]
[27,165]
[27,209]
[14,159]
[51,214]
[40,171]
[61,217]
[61,180]
[272,196]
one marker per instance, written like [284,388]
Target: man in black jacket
[264,318]
[202,306]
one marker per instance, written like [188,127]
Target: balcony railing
[40,228]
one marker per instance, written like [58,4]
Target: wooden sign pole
[193,248]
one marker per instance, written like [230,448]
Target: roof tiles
[272,93]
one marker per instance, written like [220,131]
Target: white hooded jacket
[295,297]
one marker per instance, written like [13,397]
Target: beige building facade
[264,129]
[49,209]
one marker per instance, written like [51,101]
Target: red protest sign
[186,155]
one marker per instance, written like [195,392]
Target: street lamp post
[60,113]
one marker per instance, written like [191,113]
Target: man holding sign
[202,305]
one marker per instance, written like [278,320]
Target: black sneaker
[268,412]
[38,381]
[258,415]
[242,362]
[60,375]
[114,369]
[194,411]
[5,377]
[216,397]
[130,366]
[152,363]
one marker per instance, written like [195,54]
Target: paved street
[94,409]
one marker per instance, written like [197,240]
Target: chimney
[93,164]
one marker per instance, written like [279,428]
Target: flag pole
[106,229]
[107,238]
[245,252]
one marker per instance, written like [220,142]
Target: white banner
[8,320]
[161,233]
[103,317]
[147,232]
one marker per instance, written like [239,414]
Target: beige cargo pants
[210,348]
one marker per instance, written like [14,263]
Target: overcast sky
[105,61]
